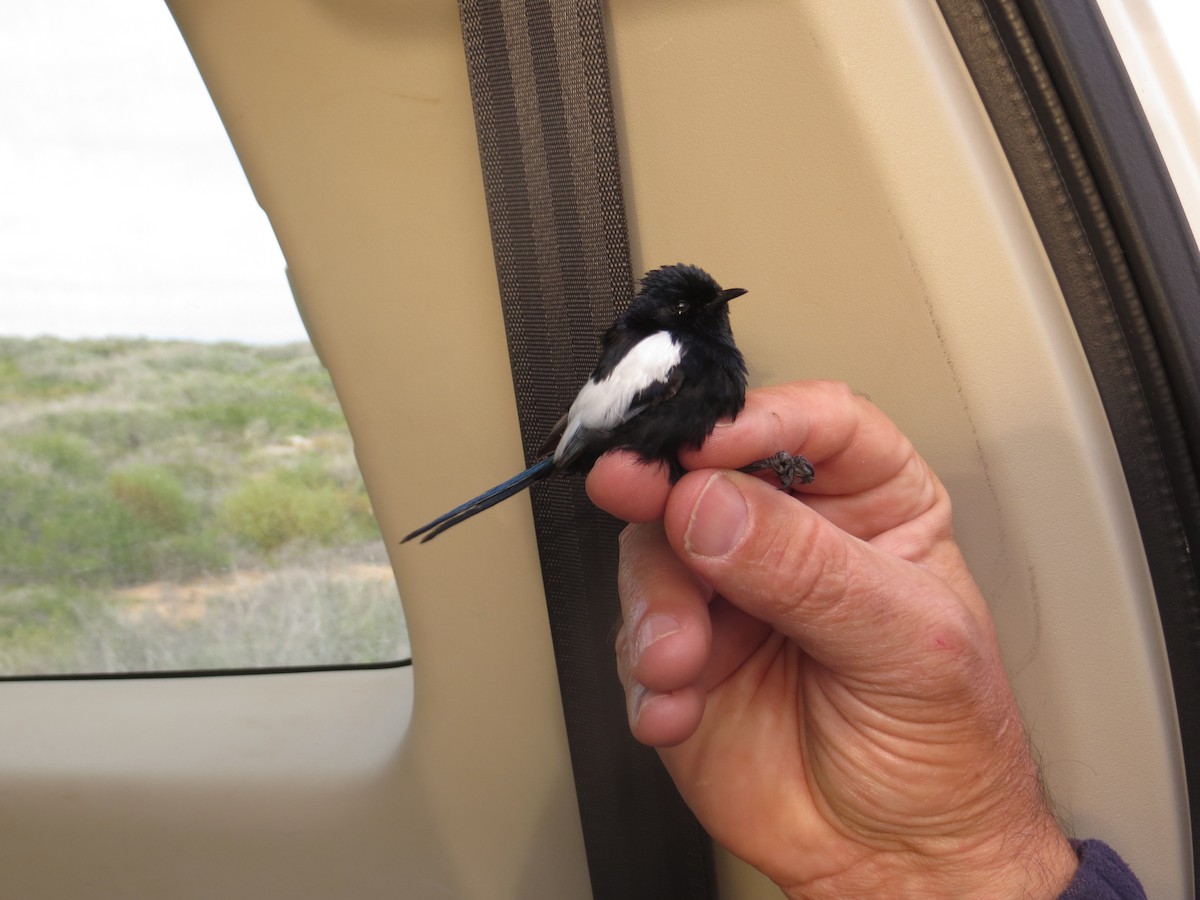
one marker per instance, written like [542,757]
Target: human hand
[818,668]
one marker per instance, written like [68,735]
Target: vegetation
[173,505]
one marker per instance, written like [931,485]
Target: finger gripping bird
[669,371]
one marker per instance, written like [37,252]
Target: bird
[668,372]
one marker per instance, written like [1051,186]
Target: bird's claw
[787,467]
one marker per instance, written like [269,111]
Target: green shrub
[275,509]
[135,526]
[154,496]
[66,453]
[55,531]
[195,553]
[113,432]
[283,413]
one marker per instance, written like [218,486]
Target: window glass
[177,486]
[1157,40]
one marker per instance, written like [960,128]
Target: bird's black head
[683,298]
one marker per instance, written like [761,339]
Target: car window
[178,489]
[1157,41]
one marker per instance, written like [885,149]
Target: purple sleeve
[1102,875]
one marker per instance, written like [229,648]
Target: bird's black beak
[726,296]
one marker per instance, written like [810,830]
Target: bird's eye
[681,307]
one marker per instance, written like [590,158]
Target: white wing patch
[603,405]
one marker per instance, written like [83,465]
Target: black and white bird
[669,371]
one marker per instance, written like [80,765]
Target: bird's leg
[787,467]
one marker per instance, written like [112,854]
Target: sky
[1181,29]
[123,208]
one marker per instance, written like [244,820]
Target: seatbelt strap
[543,114]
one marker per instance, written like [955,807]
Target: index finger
[849,440]
[869,478]
[629,488]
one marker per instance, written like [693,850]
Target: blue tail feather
[486,500]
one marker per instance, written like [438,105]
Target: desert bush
[283,413]
[68,454]
[154,496]
[57,532]
[113,430]
[299,504]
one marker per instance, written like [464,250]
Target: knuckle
[837,388]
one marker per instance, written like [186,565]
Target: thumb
[850,606]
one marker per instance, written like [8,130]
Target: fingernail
[638,696]
[655,628]
[718,519]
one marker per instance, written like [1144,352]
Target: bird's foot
[787,467]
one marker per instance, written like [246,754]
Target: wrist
[1028,872]
[1031,862]
[1025,856]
